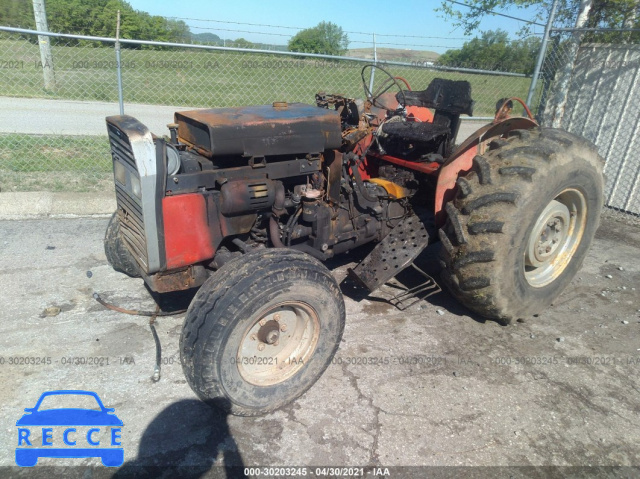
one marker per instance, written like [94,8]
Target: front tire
[261,331]
[522,222]
[117,253]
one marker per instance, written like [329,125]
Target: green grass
[54,163]
[212,79]
[180,78]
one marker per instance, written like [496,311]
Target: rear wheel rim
[555,237]
[279,342]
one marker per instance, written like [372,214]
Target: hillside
[206,37]
[396,54]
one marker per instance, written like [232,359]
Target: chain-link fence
[592,90]
[57,150]
[49,143]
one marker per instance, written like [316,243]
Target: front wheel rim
[555,237]
[279,342]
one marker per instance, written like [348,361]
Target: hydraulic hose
[156,370]
[152,319]
[277,209]
[278,203]
[274,233]
[359,183]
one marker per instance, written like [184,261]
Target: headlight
[135,186]
[120,173]
[173,161]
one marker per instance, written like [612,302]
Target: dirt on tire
[226,307]
[495,210]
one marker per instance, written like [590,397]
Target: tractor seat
[416,131]
[449,99]
[447,96]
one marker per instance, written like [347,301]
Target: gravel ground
[431,386]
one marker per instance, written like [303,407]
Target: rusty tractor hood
[264,130]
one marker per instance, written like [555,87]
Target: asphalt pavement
[66,117]
[431,386]
[39,116]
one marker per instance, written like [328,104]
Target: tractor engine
[227,180]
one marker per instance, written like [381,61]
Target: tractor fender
[461,160]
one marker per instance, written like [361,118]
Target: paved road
[456,390]
[65,117]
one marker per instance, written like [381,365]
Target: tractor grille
[120,146]
[132,225]
[129,207]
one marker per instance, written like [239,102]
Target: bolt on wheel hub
[279,342]
[555,237]
[548,234]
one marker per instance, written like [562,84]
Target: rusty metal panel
[603,105]
[263,130]
[180,280]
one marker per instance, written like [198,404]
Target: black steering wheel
[383,88]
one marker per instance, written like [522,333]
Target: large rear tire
[117,253]
[522,222]
[261,331]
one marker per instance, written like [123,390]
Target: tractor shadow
[408,279]
[173,302]
[427,261]
[187,439]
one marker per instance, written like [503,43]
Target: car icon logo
[85,431]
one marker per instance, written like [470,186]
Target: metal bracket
[257,162]
[425,289]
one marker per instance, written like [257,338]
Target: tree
[604,13]
[16,13]
[326,37]
[614,14]
[96,18]
[241,43]
[494,51]
[207,38]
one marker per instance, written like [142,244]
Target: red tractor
[245,203]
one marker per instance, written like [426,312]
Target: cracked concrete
[405,388]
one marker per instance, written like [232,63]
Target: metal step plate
[393,254]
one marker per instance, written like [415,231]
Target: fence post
[119,66]
[542,53]
[45,45]
[562,90]
[375,62]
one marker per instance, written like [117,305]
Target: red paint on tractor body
[461,160]
[187,237]
[420,114]
[447,177]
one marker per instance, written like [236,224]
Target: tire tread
[487,207]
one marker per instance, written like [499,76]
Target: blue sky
[384,17]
